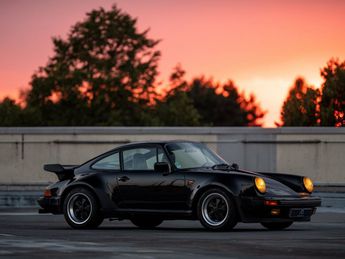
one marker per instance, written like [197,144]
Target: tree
[10,113]
[226,108]
[103,73]
[205,103]
[300,107]
[176,108]
[332,105]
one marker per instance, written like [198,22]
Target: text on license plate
[300,212]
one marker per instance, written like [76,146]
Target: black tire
[81,209]
[217,211]
[146,222]
[276,225]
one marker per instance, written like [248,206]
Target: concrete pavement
[24,233]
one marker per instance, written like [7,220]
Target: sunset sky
[261,45]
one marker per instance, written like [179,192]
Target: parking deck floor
[26,234]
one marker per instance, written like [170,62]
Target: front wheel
[216,211]
[146,222]
[276,225]
[81,209]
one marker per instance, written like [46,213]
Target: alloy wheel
[79,208]
[215,209]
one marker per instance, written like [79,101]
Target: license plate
[300,213]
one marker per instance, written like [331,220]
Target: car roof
[156,142]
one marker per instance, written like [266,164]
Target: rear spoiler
[63,172]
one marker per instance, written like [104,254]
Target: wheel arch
[78,185]
[202,190]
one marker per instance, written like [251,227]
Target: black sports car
[155,181]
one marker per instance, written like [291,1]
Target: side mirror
[162,167]
[235,166]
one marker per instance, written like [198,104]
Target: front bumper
[279,209]
[50,205]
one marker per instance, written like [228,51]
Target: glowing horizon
[263,46]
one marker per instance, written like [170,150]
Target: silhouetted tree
[103,73]
[203,102]
[10,113]
[332,105]
[300,106]
[176,108]
[227,107]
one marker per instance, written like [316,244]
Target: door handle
[123,178]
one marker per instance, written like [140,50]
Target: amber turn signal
[260,184]
[308,184]
[275,212]
[47,193]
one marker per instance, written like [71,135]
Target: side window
[111,162]
[142,158]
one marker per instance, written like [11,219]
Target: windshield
[192,155]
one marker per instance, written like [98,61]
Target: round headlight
[308,184]
[260,184]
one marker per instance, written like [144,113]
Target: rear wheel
[276,225]
[81,209]
[146,222]
[216,211]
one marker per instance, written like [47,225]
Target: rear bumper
[49,205]
[279,209]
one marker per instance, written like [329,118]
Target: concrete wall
[315,152]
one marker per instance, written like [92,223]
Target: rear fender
[103,199]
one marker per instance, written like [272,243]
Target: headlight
[260,184]
[308,184]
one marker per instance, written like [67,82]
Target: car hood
[273,186]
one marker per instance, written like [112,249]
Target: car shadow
[178,229]
[158,229]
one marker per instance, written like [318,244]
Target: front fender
[235,185]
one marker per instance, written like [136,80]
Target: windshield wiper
[221,166]
[225,166]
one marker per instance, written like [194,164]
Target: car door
[141,187]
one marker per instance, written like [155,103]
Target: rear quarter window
[111,162]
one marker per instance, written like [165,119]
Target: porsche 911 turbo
[150,182]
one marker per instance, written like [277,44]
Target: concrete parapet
[317,152]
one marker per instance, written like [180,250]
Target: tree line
[324,106]
[104,73]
